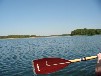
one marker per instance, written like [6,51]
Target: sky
[48,17]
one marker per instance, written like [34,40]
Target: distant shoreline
[77,32]
[47,37]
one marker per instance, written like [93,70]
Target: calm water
[16,55]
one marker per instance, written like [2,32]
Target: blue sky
[48,17]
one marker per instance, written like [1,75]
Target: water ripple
[16,55]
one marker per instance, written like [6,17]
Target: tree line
[17,36]
[85,31]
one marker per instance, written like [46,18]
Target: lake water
[16,55]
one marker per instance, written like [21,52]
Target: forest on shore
[85,31]
[20,36]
